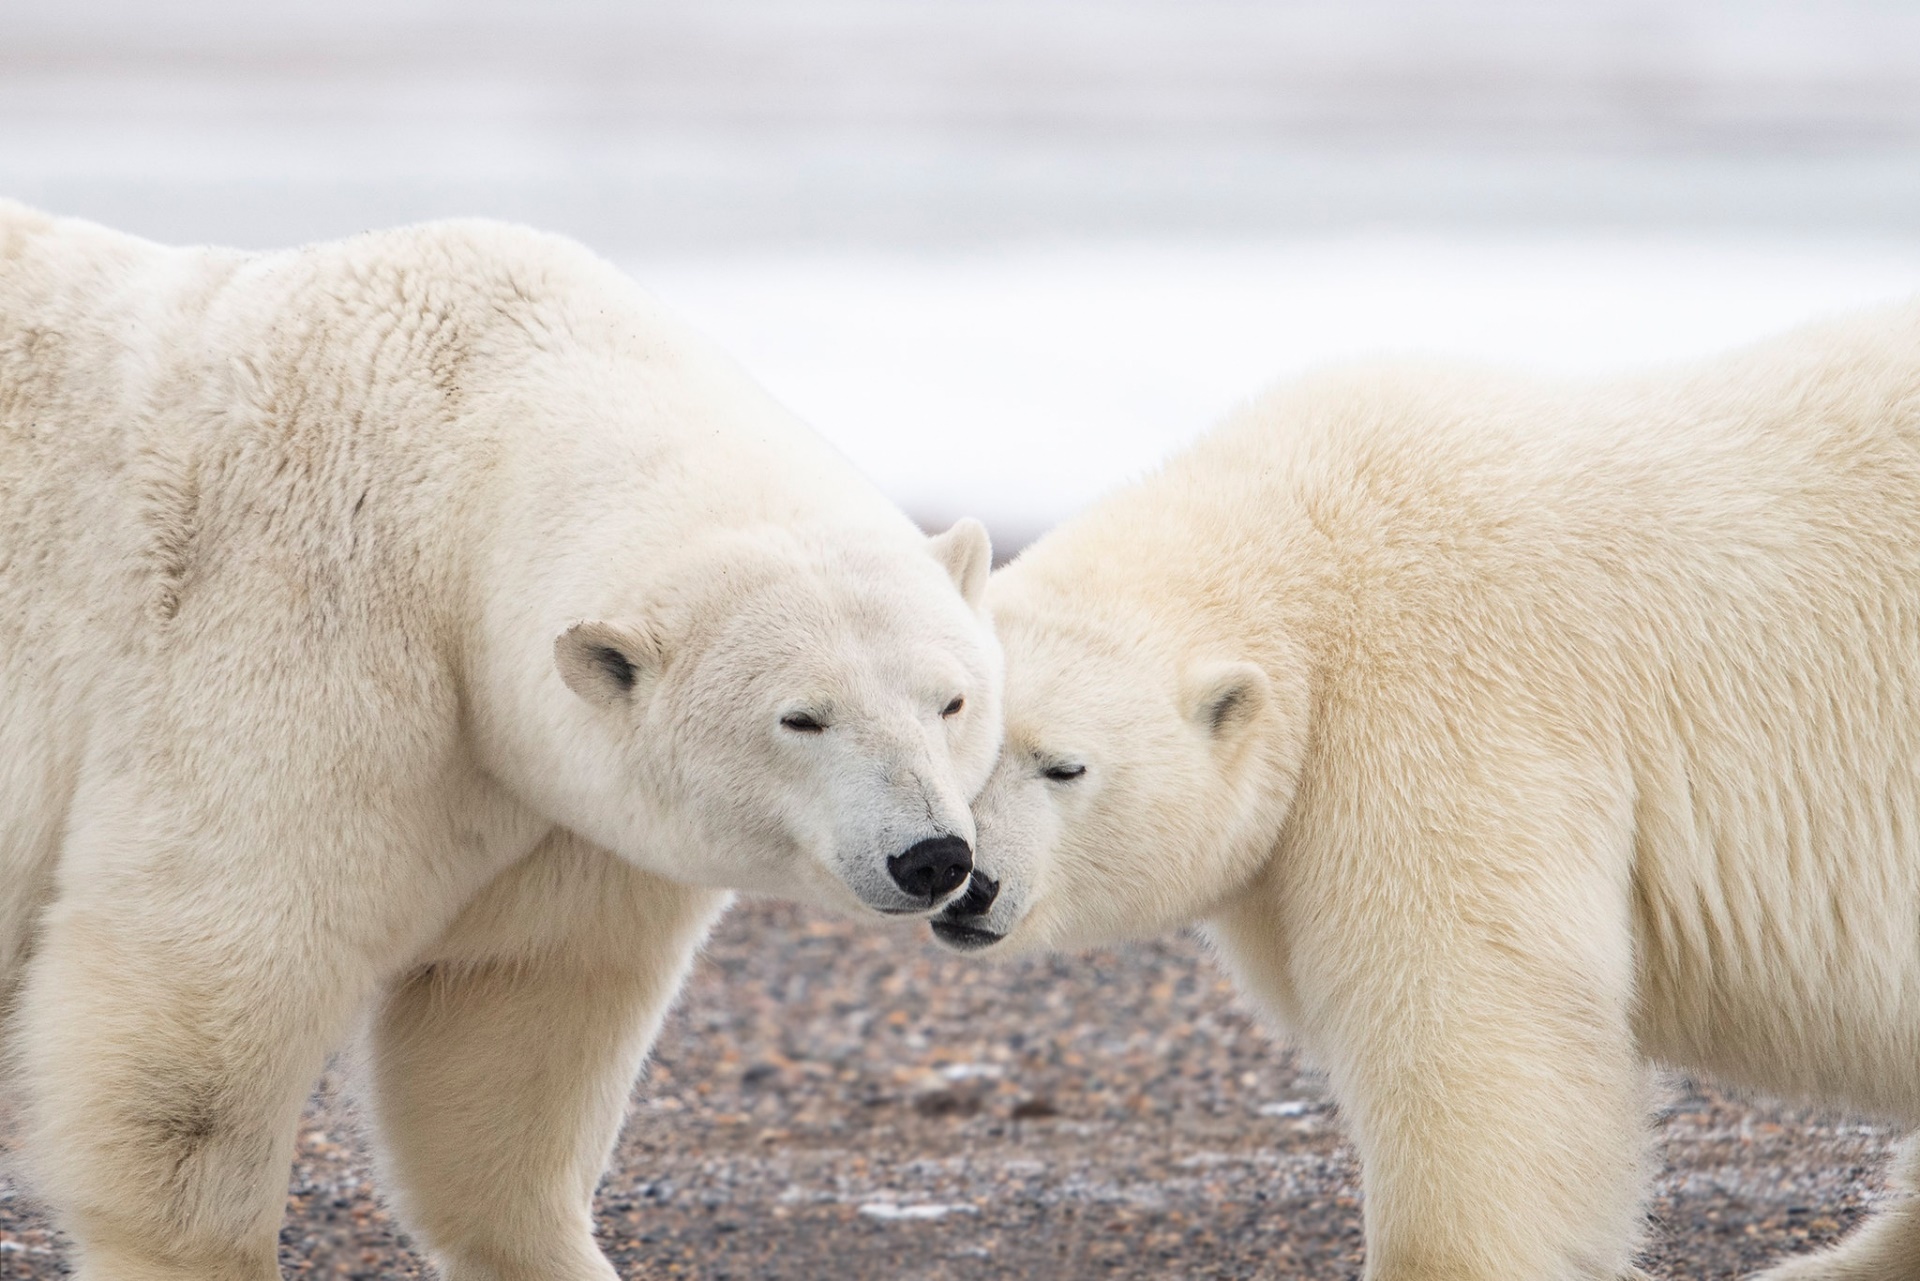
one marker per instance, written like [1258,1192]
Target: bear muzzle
[958,927]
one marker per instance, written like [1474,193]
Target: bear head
[797,712]
[1143,775]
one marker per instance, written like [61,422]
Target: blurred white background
[1008,252]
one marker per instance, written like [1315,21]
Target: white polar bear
[1506,736]
[355,602]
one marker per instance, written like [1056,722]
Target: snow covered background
[1007,252]
[1015,384]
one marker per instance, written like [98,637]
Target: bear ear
[605,663]
[1226,699]
[967,553]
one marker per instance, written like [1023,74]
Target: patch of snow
[971,1071]
[889,1212]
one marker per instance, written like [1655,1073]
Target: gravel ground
[833,1100]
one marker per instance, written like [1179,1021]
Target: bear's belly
[1802,979]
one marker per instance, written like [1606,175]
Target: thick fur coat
[1507,736]
[418,634]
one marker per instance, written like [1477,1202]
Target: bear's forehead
[872,615]
[788,634]
[1079,678]
[1059,638]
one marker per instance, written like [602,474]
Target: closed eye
[1063,773]
[953,708]
[801,723]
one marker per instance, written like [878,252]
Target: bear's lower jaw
[965,938]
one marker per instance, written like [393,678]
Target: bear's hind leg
[501,1070]
[1885,1248]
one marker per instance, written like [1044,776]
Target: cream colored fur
[1507,736]
[402,636]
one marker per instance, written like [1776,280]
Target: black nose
[932,868]
[978,898]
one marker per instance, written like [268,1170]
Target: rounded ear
[967,553]
[1226,699]
[605,663]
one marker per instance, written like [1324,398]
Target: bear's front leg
[501,1069]
[238,880]
[175,1014]
[1472,1009]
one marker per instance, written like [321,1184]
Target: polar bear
[413,638]
[1505,736]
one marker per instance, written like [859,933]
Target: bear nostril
[933,868]
[979,896]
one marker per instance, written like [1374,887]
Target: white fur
[296,551]
[1580,728]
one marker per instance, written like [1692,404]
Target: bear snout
[933,868]
[978,898]
[961,925]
